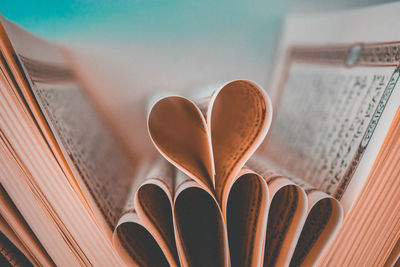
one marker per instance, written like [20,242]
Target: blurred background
[196,41]
[127,50]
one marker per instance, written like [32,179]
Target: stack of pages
[220,177]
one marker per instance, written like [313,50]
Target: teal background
[204,29]
[256,21]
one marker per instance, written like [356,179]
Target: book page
[91,149]
[153,202]
[323,220]
[69,121]
[322,117]
[246,218]
[302,221]
[135,244]
[199,226]
[179,131]
[329,45]
[12,220]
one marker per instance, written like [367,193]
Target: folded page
[211,139]
[199,225]
[246,219]
[302,221]
[154,204]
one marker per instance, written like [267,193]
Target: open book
[223,176]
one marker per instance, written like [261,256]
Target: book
[304,173]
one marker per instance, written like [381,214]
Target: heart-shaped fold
[211,148]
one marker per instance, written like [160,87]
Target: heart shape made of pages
[210,140]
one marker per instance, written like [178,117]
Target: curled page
[135,244]
[302,221]
[246,219]
[174,217]
[287,209]
[144,234]
[154,205]
[199,225]
[179,132]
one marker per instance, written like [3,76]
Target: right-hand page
[335,92]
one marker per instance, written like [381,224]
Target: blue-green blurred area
[171,21]
[220,33]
